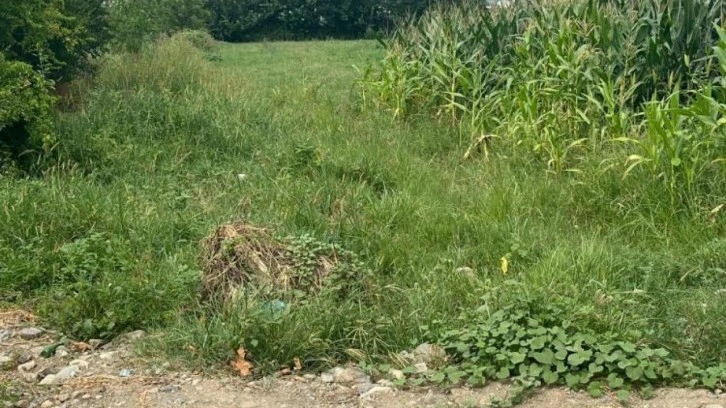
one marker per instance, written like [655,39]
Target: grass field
[107,237]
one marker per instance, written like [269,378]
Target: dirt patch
[111,375]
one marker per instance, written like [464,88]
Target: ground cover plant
[581,242]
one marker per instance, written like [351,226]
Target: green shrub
[100,289]
[26,110]
[134,23]
[200,39]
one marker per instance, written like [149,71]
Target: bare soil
[100,382]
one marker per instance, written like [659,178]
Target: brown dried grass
[241,256]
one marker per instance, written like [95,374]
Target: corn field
[639,82]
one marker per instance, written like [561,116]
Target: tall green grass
[564,80]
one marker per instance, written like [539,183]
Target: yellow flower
[504,264]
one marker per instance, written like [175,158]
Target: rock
[22,403]
[46,404]
[126,372]
[135,335]
[76,394]
[467,273]
[327,378]
[86,396]
[95,343]
[5,335]
[63,397]
[27,366]
[718,391]
[421,368]
[66,373]
[108,356]
[196,381]
[430,354]
[377,390]
[397,374]
[310,377]
[29,377]
[349,375]
[386,383]
[61,352]
[169,388]
[24,357]
[31,333]
[363,388]
[46,371]
[63,375]
[81,364]
[49,379]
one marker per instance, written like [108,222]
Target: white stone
[81,364]
[31,333]
[27,366]
[49,379]
[376,391]
[397,374]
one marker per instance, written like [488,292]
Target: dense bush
[25,111]
[136,22]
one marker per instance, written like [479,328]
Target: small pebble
[169,388]
[61,352]
[31,333]
[5,335]
[421,368]
[327,378]
[196,381]
[135,335]
[76,394]
[27,366]
[310,377]
[81,364]
[63,397]
[108,356]
[397,374]
[126,372]
[361,389]
[376,391]
[49,379]
[46,404]
[22,403]
[24,357]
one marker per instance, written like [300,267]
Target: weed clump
[242,260]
